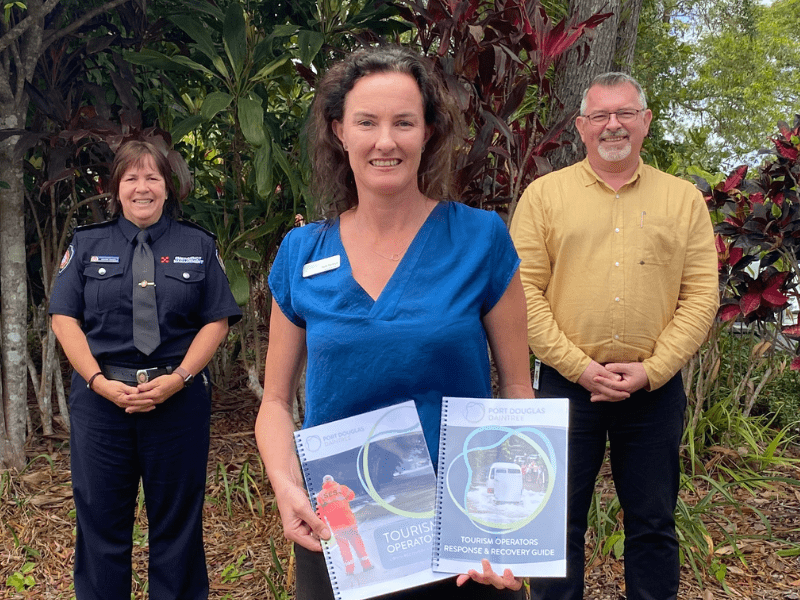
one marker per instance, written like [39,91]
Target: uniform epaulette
[96,225]
[196,226]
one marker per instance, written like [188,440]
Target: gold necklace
[394,257]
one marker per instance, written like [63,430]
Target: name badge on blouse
[321,266]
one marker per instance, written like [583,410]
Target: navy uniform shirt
[94,285]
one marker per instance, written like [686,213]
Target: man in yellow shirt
[620,273]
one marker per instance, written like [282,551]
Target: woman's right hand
[300,523]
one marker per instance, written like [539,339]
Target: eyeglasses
[625,115]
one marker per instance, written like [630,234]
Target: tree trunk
[611,49]
[627,31]
[13,297]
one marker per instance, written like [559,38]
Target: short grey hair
[613,79]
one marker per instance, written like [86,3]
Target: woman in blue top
[394,296]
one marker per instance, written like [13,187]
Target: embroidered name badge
[67,258]
[104,259]
[188,260]
[321,266]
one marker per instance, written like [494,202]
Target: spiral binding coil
[439,486]
[326,552]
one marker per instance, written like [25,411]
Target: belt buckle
[142,376]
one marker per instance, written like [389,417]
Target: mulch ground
[248,557]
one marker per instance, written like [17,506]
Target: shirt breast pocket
[103,288]
[184,285]
[656,240]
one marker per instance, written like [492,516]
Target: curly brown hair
[131,154]
[333,183]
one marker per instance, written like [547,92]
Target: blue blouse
[423,338]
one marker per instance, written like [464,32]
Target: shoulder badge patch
[67,259]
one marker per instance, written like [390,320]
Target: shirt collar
[156,230]
[589,177]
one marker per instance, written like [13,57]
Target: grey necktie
[146,337]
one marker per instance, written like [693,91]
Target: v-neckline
[383,306]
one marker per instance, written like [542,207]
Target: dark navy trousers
[644,434]
[111,451]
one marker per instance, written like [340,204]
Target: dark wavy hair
[333,183]
[131,154]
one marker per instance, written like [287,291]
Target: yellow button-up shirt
[627,276]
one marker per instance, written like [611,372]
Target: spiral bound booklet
[502,487]
[370,478]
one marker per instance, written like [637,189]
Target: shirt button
[616,337]
[616,264]
[616,299]
[616,230]
[101,271]
[186,276]
[617,195]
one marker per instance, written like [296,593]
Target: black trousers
[111,451]
[313,583]
[644,433]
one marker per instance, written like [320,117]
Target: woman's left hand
[489,577]
[157,390]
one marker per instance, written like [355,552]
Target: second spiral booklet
[371,480]
[502,486]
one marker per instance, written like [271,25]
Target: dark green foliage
[496,57]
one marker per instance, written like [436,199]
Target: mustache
[610,134]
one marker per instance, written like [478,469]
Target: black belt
[135,376]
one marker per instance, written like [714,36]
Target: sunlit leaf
[734,179]
[793,332]
[265,71]
[774,297]
[729,312]
[750,302]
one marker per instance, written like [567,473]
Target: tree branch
[20,28]
[80,22]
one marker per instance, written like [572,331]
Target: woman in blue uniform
[393,297]
[139,306]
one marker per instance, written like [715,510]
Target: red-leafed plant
[758,236]
[495,56]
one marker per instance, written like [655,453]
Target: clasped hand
[302,526]
[614,381]
[142,398]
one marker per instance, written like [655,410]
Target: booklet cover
[370,478]
[502,487]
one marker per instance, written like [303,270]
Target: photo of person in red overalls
[333,507]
